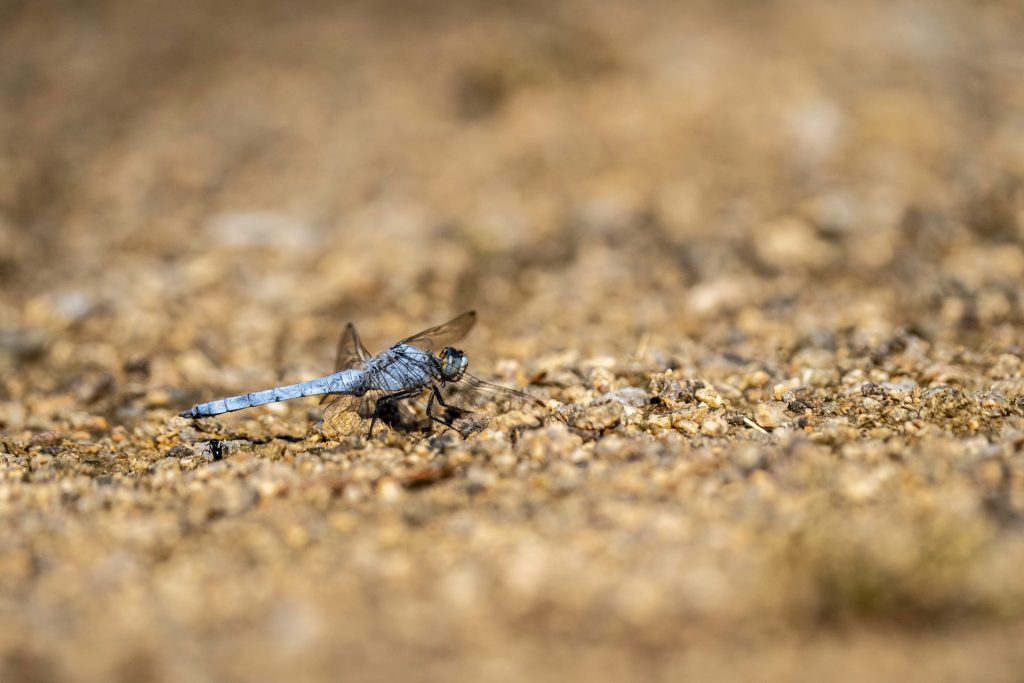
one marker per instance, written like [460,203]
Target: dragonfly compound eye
[453,363]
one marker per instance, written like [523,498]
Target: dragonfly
[373,388]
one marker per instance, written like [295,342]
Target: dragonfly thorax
[453,364]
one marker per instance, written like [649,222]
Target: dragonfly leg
[448,419]
[387,400]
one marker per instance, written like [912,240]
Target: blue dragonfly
[373,388]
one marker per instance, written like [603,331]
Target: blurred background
[267,173]
[196,196]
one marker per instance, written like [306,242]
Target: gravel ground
[763,259]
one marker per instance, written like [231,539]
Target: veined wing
[351,354]
[470,402]
[346,414]
[473,392]
[351,351]
[436,338]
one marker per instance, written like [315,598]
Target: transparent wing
[472,393]
[470,400]
[351,352]
[470,403]
[436,338]
[345,414]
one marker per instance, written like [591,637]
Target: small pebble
[770,414]
[709,397]
[714,427]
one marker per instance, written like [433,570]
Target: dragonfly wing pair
[346,413]
[454,403]
[349,414]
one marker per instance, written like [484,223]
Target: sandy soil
[764,260]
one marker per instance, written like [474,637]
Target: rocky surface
[763,262]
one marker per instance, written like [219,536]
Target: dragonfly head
[453,364]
